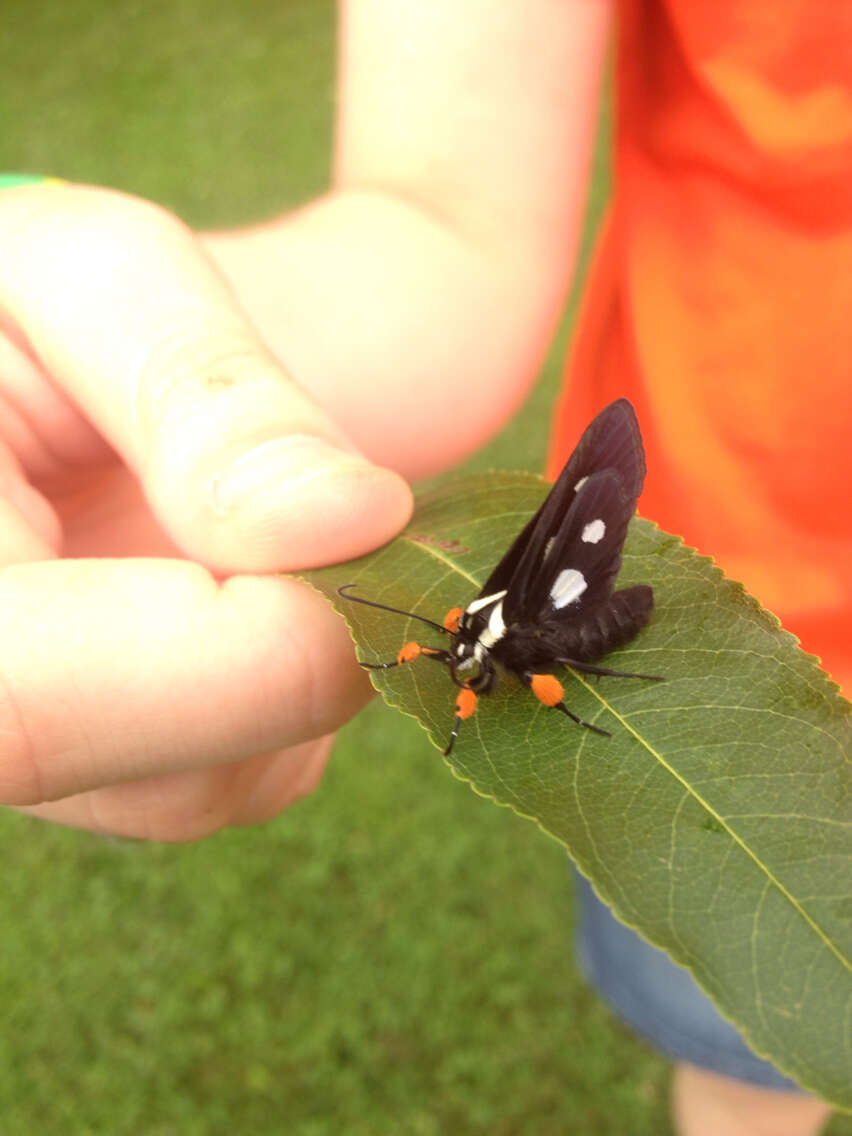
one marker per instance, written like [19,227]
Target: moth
[550,602]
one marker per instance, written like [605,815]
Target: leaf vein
[764,868]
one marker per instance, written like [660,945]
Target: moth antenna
[341,591]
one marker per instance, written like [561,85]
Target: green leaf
[717,818]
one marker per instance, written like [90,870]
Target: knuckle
[102,226]
[188,369]
[197,392]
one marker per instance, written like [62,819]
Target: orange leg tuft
[547,689]
[465,706]
[409,653]
[465,703]
[451,619]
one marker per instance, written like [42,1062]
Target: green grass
[392,955]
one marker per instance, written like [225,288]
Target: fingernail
[279,463]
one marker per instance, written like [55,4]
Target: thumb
[244,471]
[240,466]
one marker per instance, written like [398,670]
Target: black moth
[550,601]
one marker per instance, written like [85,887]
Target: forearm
[419,343]
[416,301]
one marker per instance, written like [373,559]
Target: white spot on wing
[580,484]
[568,586]
[484,601]
[594,531]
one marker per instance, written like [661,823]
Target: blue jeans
[660,1000]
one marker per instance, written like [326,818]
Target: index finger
[115,670]
[126,313]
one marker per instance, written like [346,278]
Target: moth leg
[451,619]
[408,654]
[465,706]
[589,668]
[548,690]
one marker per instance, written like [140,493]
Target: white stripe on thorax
[483,601]
[496,628]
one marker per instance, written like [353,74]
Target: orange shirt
[720,298]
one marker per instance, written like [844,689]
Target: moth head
[471,664]
[480,626]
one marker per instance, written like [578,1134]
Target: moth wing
[582,563]
[611,441]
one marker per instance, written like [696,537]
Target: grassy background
[392,955]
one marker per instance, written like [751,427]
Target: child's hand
[147,441]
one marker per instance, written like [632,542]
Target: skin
[181,416]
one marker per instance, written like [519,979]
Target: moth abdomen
[630,610]
[607,626]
